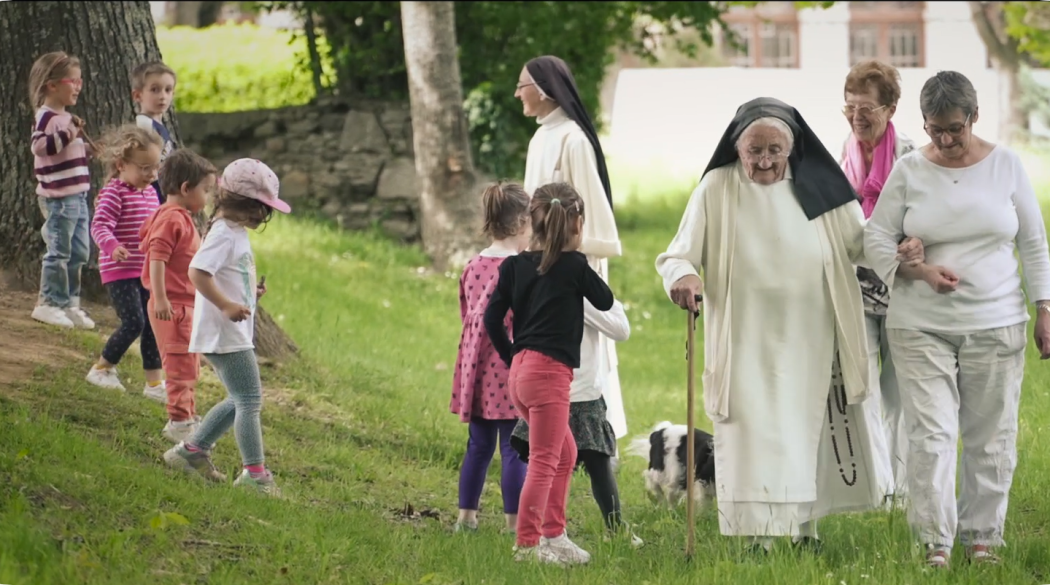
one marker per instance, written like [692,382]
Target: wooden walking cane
[690,455]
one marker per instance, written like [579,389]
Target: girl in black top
[545,287]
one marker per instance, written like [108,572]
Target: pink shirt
[120,211]
[60,164]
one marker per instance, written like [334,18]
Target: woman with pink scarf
[874,145]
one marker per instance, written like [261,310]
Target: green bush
[231,68]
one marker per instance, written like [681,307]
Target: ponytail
[555,210]
[506,210]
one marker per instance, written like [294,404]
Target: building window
[767,36]
[888,31]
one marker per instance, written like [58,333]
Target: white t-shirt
[970,220]
[226,254]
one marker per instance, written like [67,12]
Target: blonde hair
[118,144]
[141,72]
[506,210]
[554,210]
[48,68]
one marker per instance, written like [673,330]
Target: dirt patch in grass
[26,344]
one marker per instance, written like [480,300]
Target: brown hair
[118,144]
[184,166]
[141,72]
[240,209]
[506,210]
[883,77]
[554,210]
[48,68]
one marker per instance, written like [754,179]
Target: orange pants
[181,368]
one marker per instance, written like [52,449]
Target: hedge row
[236,67]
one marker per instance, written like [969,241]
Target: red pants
[181,368]
[539,387]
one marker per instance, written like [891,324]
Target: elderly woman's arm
[1031,238]
[885,230]
[685,254]
[601,239]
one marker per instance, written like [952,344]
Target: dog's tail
[640,445]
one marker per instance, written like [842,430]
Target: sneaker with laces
[179,431]
[158,392]
[264,484]
[79,318]
[565,550]
[199,462]
[105,378]
[538,554]
[52,316]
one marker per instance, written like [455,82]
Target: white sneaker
[105,378]
[179,431]
[158,393]
[79,318]
[540,554]
[565,550]
[52,316]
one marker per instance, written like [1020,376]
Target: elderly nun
[776,229]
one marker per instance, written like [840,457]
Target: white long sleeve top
[970,220]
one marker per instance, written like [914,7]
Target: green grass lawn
[358,429]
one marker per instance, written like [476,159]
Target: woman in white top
[957,323]
[566,149]
[871,91]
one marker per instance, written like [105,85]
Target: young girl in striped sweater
[132,158]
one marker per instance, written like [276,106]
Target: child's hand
[260,289]
[235,312]
[162,309]
[120,254]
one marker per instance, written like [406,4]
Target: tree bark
[990,22]
[110,38]
[449,202]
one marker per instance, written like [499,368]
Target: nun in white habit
[565,148]
[776,229]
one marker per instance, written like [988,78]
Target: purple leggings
[480,448]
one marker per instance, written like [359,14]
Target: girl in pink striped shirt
[132,158]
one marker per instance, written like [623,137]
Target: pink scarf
[869,186]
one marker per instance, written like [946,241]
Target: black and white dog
[665,448]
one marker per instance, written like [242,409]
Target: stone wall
[352,164]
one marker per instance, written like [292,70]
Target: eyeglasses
[754,157]
[850,109]
[955,130]
[77,83]
[146,169]
[524,85]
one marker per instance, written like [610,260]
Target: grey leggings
[239,372]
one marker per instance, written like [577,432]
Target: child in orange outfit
[169,241]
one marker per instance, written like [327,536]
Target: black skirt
[589,427]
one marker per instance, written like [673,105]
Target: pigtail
[555,209]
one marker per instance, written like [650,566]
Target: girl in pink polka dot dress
[479,387]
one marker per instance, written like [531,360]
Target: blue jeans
[65,231]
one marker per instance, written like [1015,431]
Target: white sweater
[970,221]
[589,380]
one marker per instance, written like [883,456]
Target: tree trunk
[110,38]
[1005,54]
[449,202]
